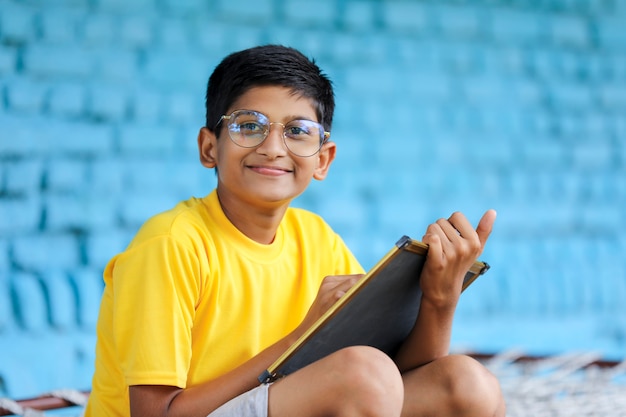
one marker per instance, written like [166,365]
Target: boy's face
[267,175]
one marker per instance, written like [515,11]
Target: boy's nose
[274,143]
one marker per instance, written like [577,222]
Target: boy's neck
[259,224]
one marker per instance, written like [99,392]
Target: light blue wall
[464,105]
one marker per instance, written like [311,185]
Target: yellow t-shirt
[192,297]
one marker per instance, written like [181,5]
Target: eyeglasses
[249,128]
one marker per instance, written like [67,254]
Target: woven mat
[572,385]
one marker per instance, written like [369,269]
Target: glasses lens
[304,137]
[248,128]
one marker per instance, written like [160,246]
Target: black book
[379,310]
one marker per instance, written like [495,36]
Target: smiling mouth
[269,170]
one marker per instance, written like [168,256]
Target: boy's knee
[371,378]
[471,386]
[363,362]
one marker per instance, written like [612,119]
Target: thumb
[485,226]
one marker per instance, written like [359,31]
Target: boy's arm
[202,399]
[454,245]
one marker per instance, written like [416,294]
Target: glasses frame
[323,139]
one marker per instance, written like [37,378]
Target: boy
[210,293]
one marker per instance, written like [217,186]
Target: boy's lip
[269,169]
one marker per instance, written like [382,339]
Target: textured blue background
[518,105]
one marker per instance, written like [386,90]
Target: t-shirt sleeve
[346,261]
[156,289]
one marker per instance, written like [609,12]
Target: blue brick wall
[442,106]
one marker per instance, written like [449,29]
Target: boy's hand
[332,289]
[454,245]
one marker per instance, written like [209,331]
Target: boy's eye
[250,127]
[298,130]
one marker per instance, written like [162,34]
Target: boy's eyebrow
[302,118]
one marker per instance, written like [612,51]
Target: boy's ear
[324,159]
[207,147]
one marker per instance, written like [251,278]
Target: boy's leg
[353,381]
[454,385]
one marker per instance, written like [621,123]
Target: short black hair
[268,65]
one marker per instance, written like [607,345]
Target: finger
[348,282]
[341,290]
[485,226]
[460,223]
[338,285]
[435,248]
[333,280]
[454,227]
